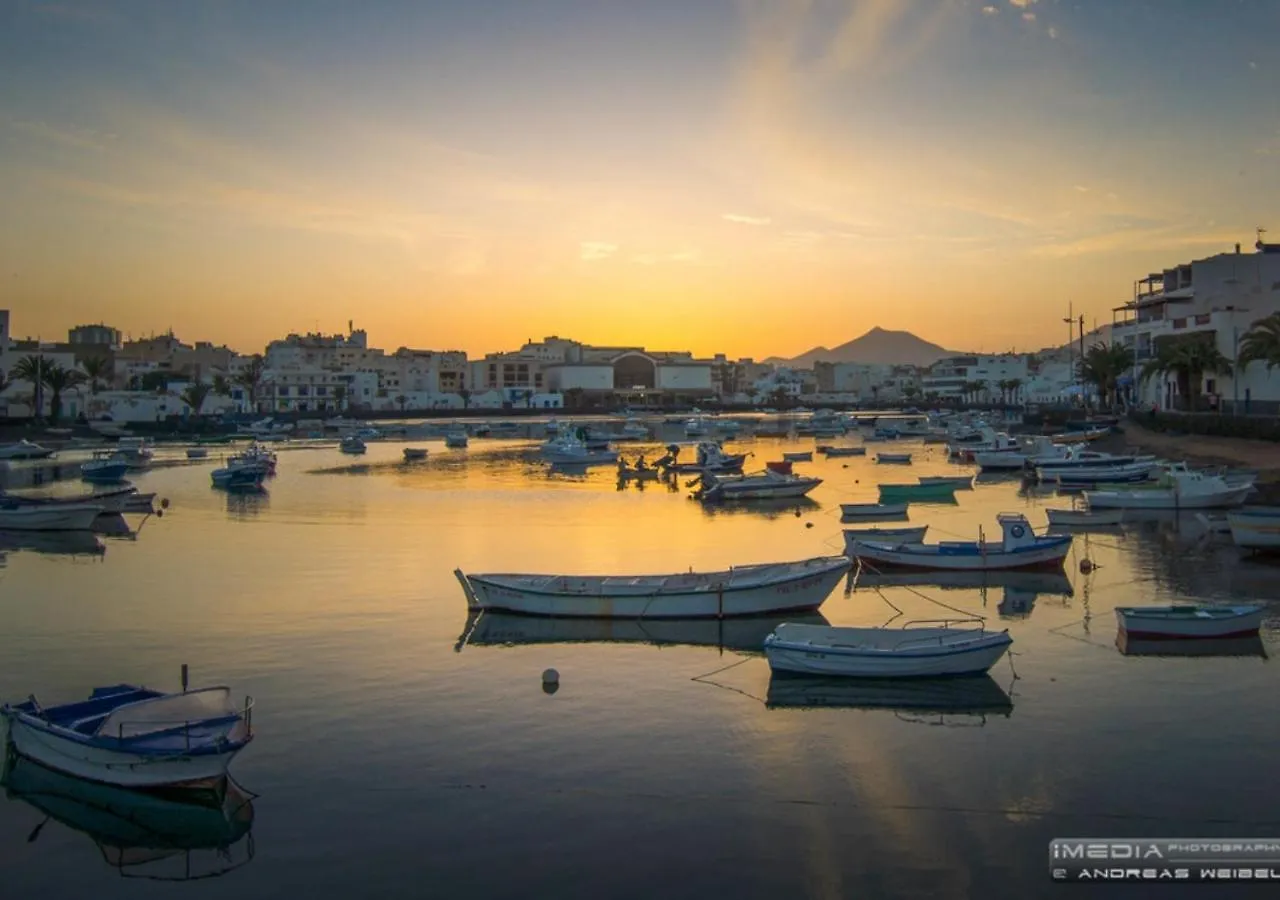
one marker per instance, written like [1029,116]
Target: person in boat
[641,465]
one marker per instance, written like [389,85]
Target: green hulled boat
[890,493]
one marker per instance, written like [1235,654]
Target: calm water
[392,761]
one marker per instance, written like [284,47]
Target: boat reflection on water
[1239,646]
[495,629]
[159,836]
[768,509]
[1055,584]
[908,698]
[246,504]
[62,543]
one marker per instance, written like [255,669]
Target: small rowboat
[742,591]
[896,492]
[414,454]
[899,458]
[806,456]
[873,510]
[912,535]
[842,451]
[1189,621]
[1083,518]
[917,652]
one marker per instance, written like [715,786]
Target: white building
[948,377]
[1215,299]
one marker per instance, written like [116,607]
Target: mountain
[878,347]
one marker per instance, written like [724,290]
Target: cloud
[63,135]
[989,10]
[1028,17]
[1022,4]
[746,220]
[1053,31]
[591,251]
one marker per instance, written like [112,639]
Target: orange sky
[753,178]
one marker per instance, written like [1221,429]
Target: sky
[753,177]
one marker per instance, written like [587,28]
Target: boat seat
[89,724]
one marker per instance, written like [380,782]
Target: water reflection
[767,509]
[1239,646]
[975,697]
[175,836]
[68,543]
[1051,583]
[491,629]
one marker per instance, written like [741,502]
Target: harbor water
[406,749]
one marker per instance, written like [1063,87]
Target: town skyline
[740,177]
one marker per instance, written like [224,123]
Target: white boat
[912,652]
[1072,458]
[913,535]
[120,500]
[24,449]
[842,451]
[352,444]
[893,458]
[134,451]
[455,438]
[572,449]
[50,517]
[134,737]
[1180,488]
[959,482]
[1256,528]
[708,457]
[743,591]
[1116,474]
[552,428]
[1189,621]
[1020,548]
[695,427]
[197,452]
[414,454]
[1084,517]
[1038,447]
[757,486]
[990,442]
[873,510]
[805,456]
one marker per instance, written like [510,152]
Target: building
[981,375]
[1215,300]
[867,381]
[95,335]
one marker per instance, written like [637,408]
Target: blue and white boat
[104,468]
[135,737]
[914,652]
[1020,548]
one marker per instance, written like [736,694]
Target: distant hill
[877,347]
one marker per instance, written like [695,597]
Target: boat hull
[872,510]
[113,767]
[1153,627]
[938,662]
[1075,517]
[806,591]
[1045,553]
[898,493]
[1159,498]
[1255,532]
[54,517]
[730,492]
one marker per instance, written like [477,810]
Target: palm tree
[221,387]
[339,396]
[1188,360]
[1102,366]
[1015,384]
[752,392]
[250,378]
[466,397]
[194,396]
[96,369]
[57,379]
[31,369]
[401,399]
[1261,343]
